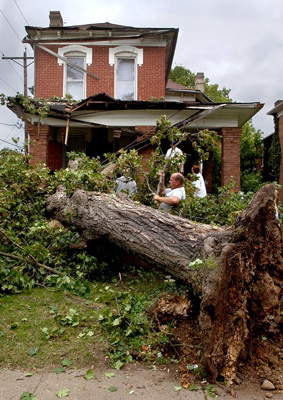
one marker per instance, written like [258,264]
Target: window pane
[75,79]
[125,75]
[73,73]
[76,90]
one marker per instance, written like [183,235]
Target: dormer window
[75,78]
[125,59]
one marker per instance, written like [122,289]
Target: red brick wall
[48,74]
[39,143]
[231,167]
[207,174]
[151,75]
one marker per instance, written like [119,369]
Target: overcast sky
[238,44]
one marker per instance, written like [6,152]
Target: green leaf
[90,374]
[33,351]
[118,364]
[116,322]
[63,393]
[113,389]
[66,362]
[193,387]
[27,374]
[28,396]
[109,374]
[59,370]
[177,388]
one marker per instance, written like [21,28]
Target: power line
[12,66]
[21,12]
[13,144]
[8,84]
[12,28]
[16,125]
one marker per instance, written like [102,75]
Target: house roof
[278,109]
[173,87]
[176,86]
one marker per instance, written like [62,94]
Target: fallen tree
[238,272]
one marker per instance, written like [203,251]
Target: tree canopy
[185,77]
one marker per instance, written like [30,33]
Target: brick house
[117,73]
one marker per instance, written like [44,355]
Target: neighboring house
[119,75]
[277,113]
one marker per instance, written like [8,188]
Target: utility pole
[25,65]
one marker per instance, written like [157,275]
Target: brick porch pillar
[230,166]
[207,174]
[38,148]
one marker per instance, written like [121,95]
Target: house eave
[103,110]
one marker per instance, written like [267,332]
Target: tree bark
[239,278]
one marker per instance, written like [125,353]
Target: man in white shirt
[175,152]
[174,195]
[198,183]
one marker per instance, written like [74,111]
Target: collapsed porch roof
[103,110]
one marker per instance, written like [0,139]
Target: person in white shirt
[126,185]
[198,183]
[174,195]
[175,152]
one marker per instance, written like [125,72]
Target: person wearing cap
[174,151]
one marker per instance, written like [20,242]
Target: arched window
[75,78]
[125,60]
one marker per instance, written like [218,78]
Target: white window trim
[121,51]
[75,48]
[126,52]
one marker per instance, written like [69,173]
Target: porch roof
[104,110]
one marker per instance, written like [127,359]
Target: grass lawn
[44,329]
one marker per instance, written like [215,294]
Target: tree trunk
[239,277]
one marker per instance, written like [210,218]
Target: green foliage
[251,148]
[251,181]
[25,235]
[185,77]
[274,155]
[87,176]
[128,163]
[219,209]
[128,329]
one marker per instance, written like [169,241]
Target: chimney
[55,18]
[199,81]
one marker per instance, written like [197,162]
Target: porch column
[230,163]
[207,174]
[38,148]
